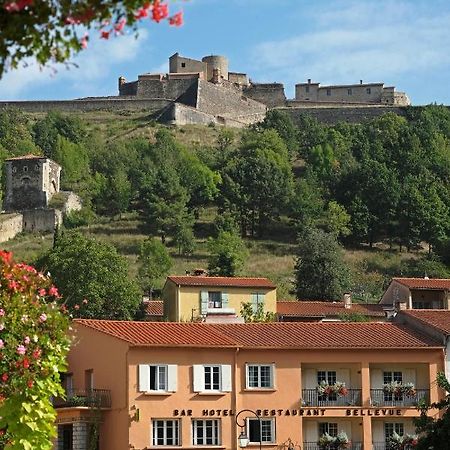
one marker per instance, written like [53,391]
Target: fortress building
[205,91]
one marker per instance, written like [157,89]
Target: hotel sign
[302,412]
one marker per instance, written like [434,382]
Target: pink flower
[2,344]
[120,25]
[177,19]
[43,317]
[76,307]
[42,292]
[53,291]
[5,377]
[26,340]
[85,302]
[104,34]
[84,44]
[21,350]
[2,312]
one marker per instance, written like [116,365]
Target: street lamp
[243,438]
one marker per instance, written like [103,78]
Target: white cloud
[84,77]
[348,41]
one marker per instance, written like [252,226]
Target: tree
[435,433]
[227,254]
[54,31]
[251,316]
[154,262]
[92,277]
[320,271]
[34,344]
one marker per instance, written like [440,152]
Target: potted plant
[337,388]
[409,390]
[326,441]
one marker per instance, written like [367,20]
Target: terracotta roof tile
[424,283]
[436,318]
[164,334]
[222,281]
[323,309]
[154,308]
[294,335]
[326,335]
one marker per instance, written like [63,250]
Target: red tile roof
[222,281]
[436,318]
[324,309]
[424,283]
[154,308]
[287,335]
[164,334]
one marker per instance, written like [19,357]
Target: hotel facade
[148,385]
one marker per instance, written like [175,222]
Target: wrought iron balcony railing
[379,397]
[385,446]
[93,398]
[310,397]
[316,446]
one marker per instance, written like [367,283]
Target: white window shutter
[272,374]
[226,378]
[203,302]
[262,298]
[310,379]
[376,379]
[409,376]
[198,377]
[224,299]
[343,375]
[247,378]
[144,377]
[172,377]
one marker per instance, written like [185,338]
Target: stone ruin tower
[31,181]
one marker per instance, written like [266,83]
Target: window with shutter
[204,302]
[157,378]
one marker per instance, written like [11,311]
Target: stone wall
[10,226]
[170,89]
[217,101]
[152,105]
[41,219]
[271,94]
[343,114]
[129,88]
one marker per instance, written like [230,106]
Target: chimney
[360,81]
[347,299]
[309,80]
[401,306]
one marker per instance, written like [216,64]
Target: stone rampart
[271,94]
[171,89]
[10,226]
[213,99]
[344,114]
[41,219]
[152,105]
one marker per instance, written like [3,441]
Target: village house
[205,298]
[417,293]
[149,385]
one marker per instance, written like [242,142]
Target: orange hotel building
[181,385]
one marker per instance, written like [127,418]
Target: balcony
[385,446]
[92,398]
[316,446]
[312,398]
[378,397]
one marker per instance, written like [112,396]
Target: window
[390,427]
[214,300]
[329,377]
[212,378]
[368,91]
[328,92]
[166,432]
[157,378]
[206,432]
[260,375]
[261,430]
[349,92]
[306,88]
[257,299]
[25,168]
[329,428]
[183,64]
[390,377]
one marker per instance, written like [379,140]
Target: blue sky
[405,43]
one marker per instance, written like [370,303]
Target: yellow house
[188,298]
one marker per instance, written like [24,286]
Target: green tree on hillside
[154,262]
[320,270]
[92,277]
[227,254]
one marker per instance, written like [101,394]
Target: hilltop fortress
[205,91]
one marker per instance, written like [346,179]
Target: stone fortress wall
[205,91]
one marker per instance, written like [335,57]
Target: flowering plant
[33,346]
[399,442]
[339,442]
[397,388]
[337,388]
